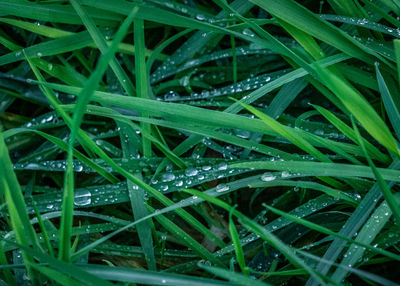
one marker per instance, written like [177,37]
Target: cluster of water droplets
[244,86]
[192,176]
[218,55]
[44,121]
[363,22]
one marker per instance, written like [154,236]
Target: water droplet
[248,32]
[167,177]
[78,168]
[221,188]
[206,168]
[83,198]
[222,166]
[191,172]
[179,183]
[32,166]
[267,177]
[200,17]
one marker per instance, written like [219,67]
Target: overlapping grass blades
[199,143]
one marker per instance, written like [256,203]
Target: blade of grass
[386,192]
[83,100]
[238,247]
[360,108]
[390,106]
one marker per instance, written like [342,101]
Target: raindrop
[222,166]
[221,188]
[78,168]
[191,172]
[267,177]
[167,177]
[248,32]
[83,198]
[200,17]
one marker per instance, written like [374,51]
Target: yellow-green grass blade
[360,108]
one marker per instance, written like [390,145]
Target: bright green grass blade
[288,133]
[10,189]
[238,247]
[15,197]
[44,231]
[39,29]
[8,275]
[9,44]
[360,108]
[102,45]
[349,132]
[390,106]
[83,100]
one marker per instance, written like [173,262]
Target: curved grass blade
[82,101]
[390,106]
[238,247]
[360,108]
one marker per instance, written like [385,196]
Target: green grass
[199,142]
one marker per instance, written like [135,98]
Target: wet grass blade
[360,108]
[390,106]
[386,192]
